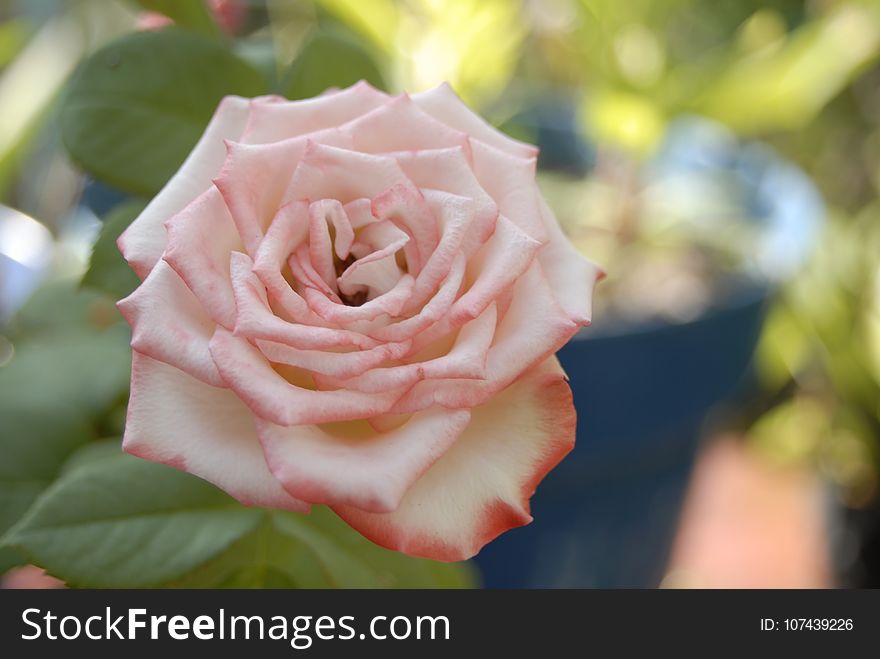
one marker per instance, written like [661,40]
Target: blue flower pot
[606,517]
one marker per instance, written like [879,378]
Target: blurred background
[720,159]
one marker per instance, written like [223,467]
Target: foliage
[107,270]
[136,108]
[126,522]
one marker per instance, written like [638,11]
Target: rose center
[351,259]
[357,298]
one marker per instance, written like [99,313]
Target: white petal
[177,420]
[370,471]
[482,485]
[444,104]
[144,240]
[169,324]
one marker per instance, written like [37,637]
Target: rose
[355,300]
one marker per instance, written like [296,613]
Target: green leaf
[34,449]
[87,371]
[36,436]
[350,560]
[126,522]
[135,109]
[9,558]
[62,308]
[14,33]
[102,449]
[319,550]
[108,271]
[50,394]
[330,59]
[377,20]
[411,572]
[112,520]
[262,559]
[191,14]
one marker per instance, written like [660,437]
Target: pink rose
[355,300]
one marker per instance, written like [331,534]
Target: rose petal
[334,213]
[454,215]
[377,272]
[250,375]
[533,328]
[450,171]
[511,183]
[371,472]
[570,275]
[200,238]
[255,177]
[255,319]
[501,261]
[388,304]
[399,125]
[169,324]
[179,421]
[270,122]
[429,314]
[360,212]
[335,364]
[444,104]
[482,484]
[321,246]
[327,172]
[286,233]
[304,272]
[404,204]
[466,359]
[379,234]
[143,242]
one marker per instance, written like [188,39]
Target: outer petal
[511,183]
[270,122]
[144,240]
[327,172]
[169,324]
[482,485]
[444,104]
[368,470]
[247,372]
[209,432]
[200,239]
[401,125]
[570,275]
